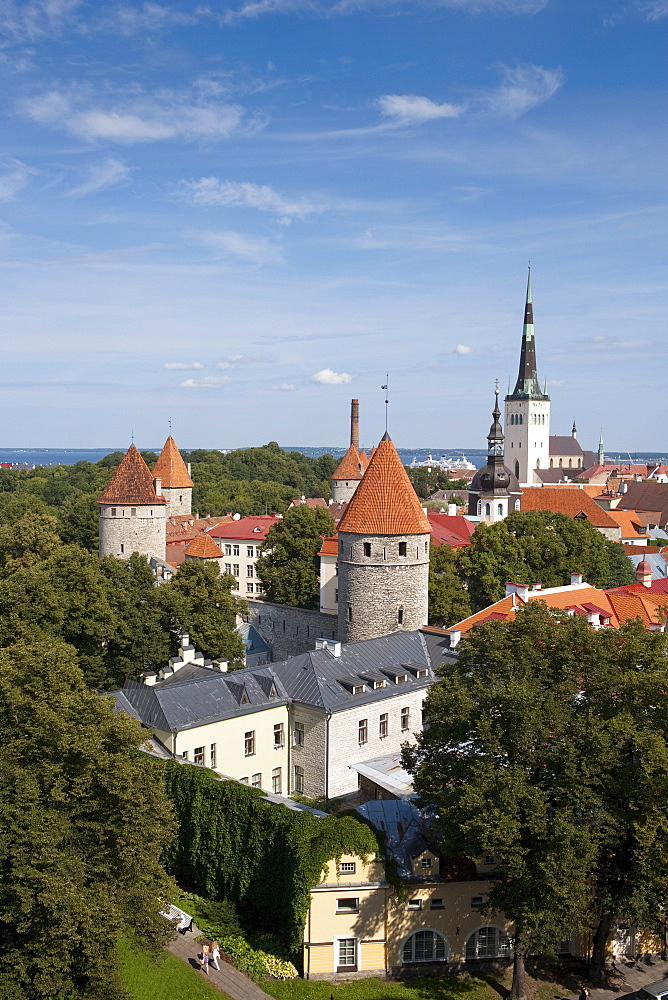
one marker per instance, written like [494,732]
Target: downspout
[288,736]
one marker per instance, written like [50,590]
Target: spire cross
[386,387]
[170,426]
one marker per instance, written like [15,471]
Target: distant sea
[30,457]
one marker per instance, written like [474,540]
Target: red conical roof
[171,468]
[131,483]
[204,547]
[349,466]
[385,502]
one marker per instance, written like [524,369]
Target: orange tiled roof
[330,546]
[385,502]
[567,501]
[204,547]
[349,466]
[171,468]
[629,522]
[131,483]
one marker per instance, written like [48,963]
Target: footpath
[229,980]
[630,976]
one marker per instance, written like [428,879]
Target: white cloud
[132,118]
[655,9]
[21,21]
[463,349]
[253,9]
[555,383]
[15,177]
[108,173]
[148,17]
[329,377]
[255,250]
[212,191]
[410,109]
[521,89]
[223,365]
[285,387]
[181,366]
[208,382]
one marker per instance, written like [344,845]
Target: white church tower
[527,417]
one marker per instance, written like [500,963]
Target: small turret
[177,486]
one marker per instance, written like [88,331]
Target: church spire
[495,436]
[601,453]
[527,385]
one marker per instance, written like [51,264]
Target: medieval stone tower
[348,473]
[132,511]
[383,553]
[177,486]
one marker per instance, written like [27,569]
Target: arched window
[538,463]
[520,418]
[570,463]
[488,942]
[479,507]
[561,462]
[551,463]
[425,946]
[517,470]
[488,509]
[517,505]
[499,509]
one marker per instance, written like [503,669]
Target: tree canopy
[539,546]
[448,600]
[83,832]
[290,568]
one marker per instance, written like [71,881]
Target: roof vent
[330,645]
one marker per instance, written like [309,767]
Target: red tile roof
[330,546]
[568,501]
[131,483]
[454,530]
[311,502]
[171,468]
[251,529]
[385,502]
[203,547]
[349,466]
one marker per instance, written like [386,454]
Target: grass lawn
[167,978]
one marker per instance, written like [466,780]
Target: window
[122,547]
[228,568]
[378,684]
[367,548]
[426,946]
[425,862]
[422,673]
[299,779]
[400,679]
[299,734]
[258,588]
[244,781]
[402,548]
[405,719]
[199,755]
[350,613]
[235,550]
[276,781]
[249,551]
[499,509]
[488,942]
[358,689]
[133,511]
[228,549]
[348,905]
[348,867]
[400,616]
[185,755]
[212,755]
[256,781]
[249,743]
[113,512]
[414,904]
[250,571]
[347,955]
[489,859]
[235,569]
[476,901]
[336,593]
[382,727]
[437,904]
[249,588]
[278,734]
[362,731]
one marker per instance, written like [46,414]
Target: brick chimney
[355,423]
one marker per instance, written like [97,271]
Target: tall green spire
[527,385]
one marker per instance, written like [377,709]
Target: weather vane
[170,426]
[386,387]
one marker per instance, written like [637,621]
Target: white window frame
[348,867]
[482,958]
[279,732]
[358,952]
[419,961]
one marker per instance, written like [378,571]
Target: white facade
[329,584]
[527,437]
[239,559]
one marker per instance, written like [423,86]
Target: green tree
[290,567]
[539,546]
[78,520]
[83,831]
[448,601]
[427,481]
[198,601]
[27,541]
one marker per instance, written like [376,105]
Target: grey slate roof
[317,678]
[564,444]
[252,639]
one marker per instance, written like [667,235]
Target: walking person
[215,955]
[206,955]
[584,993]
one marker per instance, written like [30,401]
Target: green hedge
[263,858]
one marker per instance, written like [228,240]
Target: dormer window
[257,528]
[378,684]
[358,689]
[423,673]
[425,862]
[400,679]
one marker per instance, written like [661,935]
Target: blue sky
[241,216]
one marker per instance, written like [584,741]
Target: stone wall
[343,489]
[312,756]
[123,532]
[383,591]
[179,501]
[290,631]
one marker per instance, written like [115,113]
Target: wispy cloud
[285,387]
[232,245]
[253,9]
[14,177]
[463,349]
[206,382]
[108,173]
[654,10]
[410,109]
[28,22]
[210,191]
[181,366]
[134,118]
[329,377]
[148,17]
[521,89]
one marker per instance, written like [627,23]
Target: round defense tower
[177,486]
[132,514]
[383,558]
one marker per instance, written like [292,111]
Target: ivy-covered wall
[263,858]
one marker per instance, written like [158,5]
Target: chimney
[455,636]
[644,573]
[355,423]
[576,579]
[157,486]
[521,589]
[452,510]
[330,645]
[189,469]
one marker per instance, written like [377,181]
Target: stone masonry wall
[374,589]
[344,745]
[179,501]
[313,755]
[290,631]
[343,489]
[125,532]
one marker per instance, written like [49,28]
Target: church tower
[494,491]
[132,511]
[348,473]
[383,554]
[527,417]
[177,486]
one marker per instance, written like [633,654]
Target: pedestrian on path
[206,954]
[215,955]
[584,993]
